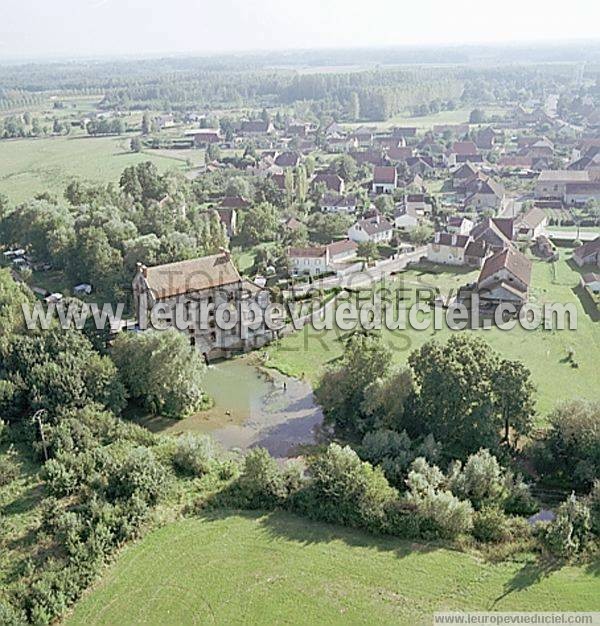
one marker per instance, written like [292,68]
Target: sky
[87,28]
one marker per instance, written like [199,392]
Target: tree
[368,250]
[455,393]
[421,234]
[146,123]
[135,144]
[384,203]
[161,371]
[213,152]
[12,296]
[570,449]
[514,391]
[354,107]
[341,391]
[345,167]
[92,259]
[477,116]
[260,224]
[56,370]
[324,228]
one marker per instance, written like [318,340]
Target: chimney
[225,252]
[142,269]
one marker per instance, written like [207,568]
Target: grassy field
[307,352]
[251,568]
[458,116]
[31,166]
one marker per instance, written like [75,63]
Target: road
[584,235]
[366,277]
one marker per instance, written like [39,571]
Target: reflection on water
[252,408]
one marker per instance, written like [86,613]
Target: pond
[252,407]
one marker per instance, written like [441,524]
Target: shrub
[345,490]
[490,525]
[447,515]
[394,452]
[403,520]
[518,500]
[450,516]
[423,477]
[569,533]
[3,432]
[479,481]
[10,616]
[9,468]
[571,448]
[194,454]
[261,484]
[594,503]
[139,473]
[160,370]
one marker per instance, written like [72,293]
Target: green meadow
[32,166]
[254,568]
[306,353]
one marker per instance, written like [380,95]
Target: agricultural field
[252,568]
[425,122]
[32,166]
[309,351]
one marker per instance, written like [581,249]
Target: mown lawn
[306,353]
[32,166]
[252,568]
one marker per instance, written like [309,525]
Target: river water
[252,407]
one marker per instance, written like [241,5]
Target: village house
[287,159]
[332,182]
[505,277]
[341,143]
[542,148]
[203,137]
[421,165]
[579,194]
[552,184]
[210,280]
[375,228]
[486,138]
[459,225]
[400,153]
[462,175]
[164,121]
[462,152]
[292,224]
[406,217]
[333,128]
[298,129]
[484,194]
[532,224]
[417,202]
[591,281]
[588,253]
[317,260]
[404,131]
[448,249]
[497,233]
[333,203]
[256,127]
[364,135]
[373,156]
[228,218]
[234,202]
[385,179]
